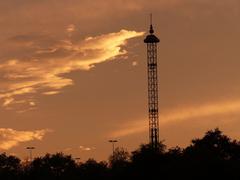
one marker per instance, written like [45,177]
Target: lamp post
[30,149]
[113,141]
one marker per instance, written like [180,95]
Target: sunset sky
[73,73]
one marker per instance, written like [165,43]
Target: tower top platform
[151,38]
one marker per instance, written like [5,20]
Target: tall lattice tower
[151,40]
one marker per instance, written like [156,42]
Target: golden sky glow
[183,114]
[78,67]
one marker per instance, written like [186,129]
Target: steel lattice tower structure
[151,40]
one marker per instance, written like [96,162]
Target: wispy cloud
[10,138]
[83,148]
[42,70]
[179,115]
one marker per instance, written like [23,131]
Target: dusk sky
[73,73]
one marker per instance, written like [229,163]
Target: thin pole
[150,18]
[31,154]
[30,149]
[113,143]
[113,147]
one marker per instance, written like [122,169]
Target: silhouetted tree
[92,169]
[53,166]
[212,155]
[120,158]
[146,161]
[174,161]
[213,146]
[119,163]
[9,167]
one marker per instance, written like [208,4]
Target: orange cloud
[83,148]
[51,92]
[43,72]
[11,138]
[179,115]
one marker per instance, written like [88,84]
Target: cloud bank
[43,62]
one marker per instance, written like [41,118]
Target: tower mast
[151,40]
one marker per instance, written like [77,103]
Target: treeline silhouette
[214,156]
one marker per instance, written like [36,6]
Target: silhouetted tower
[151,40]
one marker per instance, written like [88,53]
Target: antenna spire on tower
[151,31]
[150,18]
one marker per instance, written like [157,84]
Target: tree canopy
[215,155]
